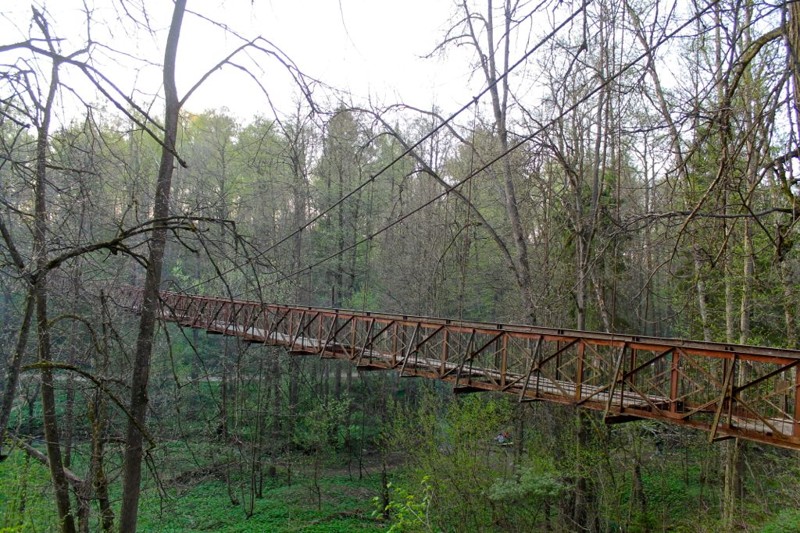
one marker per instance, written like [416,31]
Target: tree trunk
[499,93]
[580,284]
[584,491]
[224,409]
[12,373]
[132,468]
[793,37]
[69,416]
[98,415]
[702,296]
[277,411]
[789,303]
[51,432]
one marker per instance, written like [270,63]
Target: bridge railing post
[674,380]
[445,352]
[579,371]
[503,360]
[796,412]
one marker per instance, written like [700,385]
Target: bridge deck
[727,390]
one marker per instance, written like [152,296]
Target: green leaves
[528,485]
[324,427]
[408,511]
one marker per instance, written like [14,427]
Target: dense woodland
[635,171]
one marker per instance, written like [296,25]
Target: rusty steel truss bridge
[727,390]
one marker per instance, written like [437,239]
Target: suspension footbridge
[727,390]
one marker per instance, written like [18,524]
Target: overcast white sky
[369,48]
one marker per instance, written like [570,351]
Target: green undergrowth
[345,504]
[26,501]
[675,496]
[787,521]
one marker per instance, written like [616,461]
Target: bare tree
[150,299]
[478,31]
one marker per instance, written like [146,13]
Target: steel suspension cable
[523,140]
[405,152]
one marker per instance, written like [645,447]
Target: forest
[625,166]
